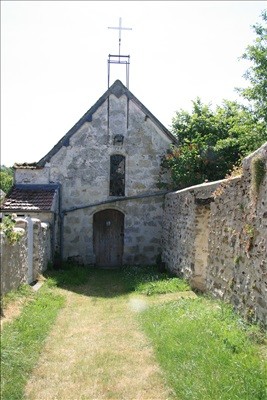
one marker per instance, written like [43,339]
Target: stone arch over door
[108,233]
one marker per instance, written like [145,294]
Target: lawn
[111,328]
[206,351]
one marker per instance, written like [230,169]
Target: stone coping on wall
[198,189]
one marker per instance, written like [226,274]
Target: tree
[6,178]
[211,143]
[256,53]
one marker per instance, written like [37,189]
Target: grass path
[84,335]
[97,350]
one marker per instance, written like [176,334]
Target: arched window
[117,175]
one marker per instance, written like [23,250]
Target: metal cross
[120,28]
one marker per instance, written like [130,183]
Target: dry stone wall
[237,262]
[186,232]
[24,260]
[13,262]
[215,235]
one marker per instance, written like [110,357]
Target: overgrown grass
[146,280]
[22,339]
[149,280]
[68,275]
[206,351]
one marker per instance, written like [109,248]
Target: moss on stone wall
[258,171]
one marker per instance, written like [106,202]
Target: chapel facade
[98,186]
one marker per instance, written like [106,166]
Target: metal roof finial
[120,28]
[119,59]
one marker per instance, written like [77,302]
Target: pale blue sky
[54,61]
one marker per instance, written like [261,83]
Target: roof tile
[30,198]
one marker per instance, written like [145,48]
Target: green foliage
[185,164]
[256,53]
[211,143]
[6,178]
[22,339]
[206,351]
[258,173]
[7,226]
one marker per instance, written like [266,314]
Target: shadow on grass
[89,281]
[107,283]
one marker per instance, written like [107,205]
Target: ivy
[7,227]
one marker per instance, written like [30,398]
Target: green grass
[69,275]
[22,340]
[149,281]
[206,351]
[24,292]
[162,286]
[141,279]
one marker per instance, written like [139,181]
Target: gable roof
[25,197]
[117,89]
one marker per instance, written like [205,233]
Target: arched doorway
[108,228]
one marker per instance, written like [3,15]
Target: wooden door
[108,228]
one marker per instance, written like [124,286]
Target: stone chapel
[98,186]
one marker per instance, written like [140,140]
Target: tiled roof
[25,197]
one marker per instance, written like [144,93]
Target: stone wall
[41,247]
[237,259]
[14,261]
[142,231]
[31,175]
[24,260]
[186,232]
[215,235]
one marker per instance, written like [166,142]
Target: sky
[54,61]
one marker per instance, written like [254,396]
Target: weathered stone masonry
[80,163]
[220,244]
[186,232]
[237,263]
[24,260]
[142,230]
[213,234]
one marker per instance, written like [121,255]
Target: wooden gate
[108,228]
